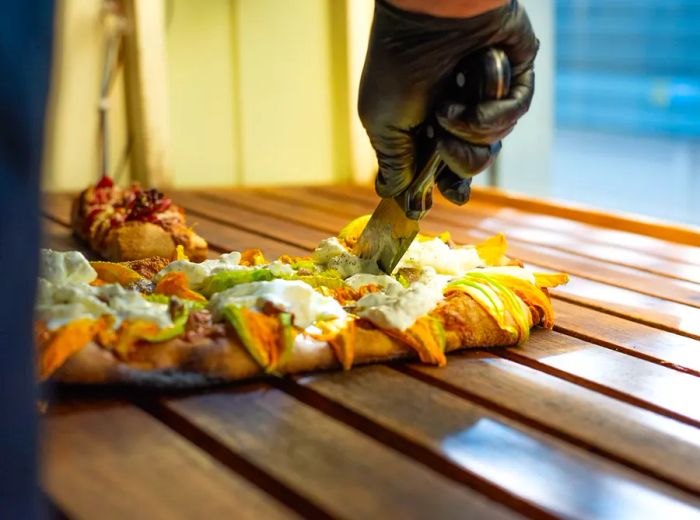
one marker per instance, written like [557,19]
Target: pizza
[133,223]
[176,322]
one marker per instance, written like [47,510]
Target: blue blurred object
[628,66]
[25,51]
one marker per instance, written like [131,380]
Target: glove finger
[395,154]
[454,188]
[467,159]
[488,121]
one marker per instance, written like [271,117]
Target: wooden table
[597,419]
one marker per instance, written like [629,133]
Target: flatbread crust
[179,363]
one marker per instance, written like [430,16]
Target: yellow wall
[286,103]
[359,20]
[259,92]
[201,92]
[71,154]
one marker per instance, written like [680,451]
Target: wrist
[448,8]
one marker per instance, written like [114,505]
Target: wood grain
[661,446]
[118,462]
[635,223]
[346,473]
[541,469]
[668,349]
[59,237]
[649,385]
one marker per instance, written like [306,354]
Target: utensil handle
[485,75]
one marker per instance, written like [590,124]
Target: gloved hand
[409,59]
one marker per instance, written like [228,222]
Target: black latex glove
[409,59]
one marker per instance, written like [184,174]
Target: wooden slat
[342,471]
[669,316]
[576,237]
[115,461]
[665,314]
[225,238]
[660,446]
[674,290]
[646,384]
[635,223]
[59,237]
[232,215]
[541,469]
[57,206]
[659,346]
[588,241]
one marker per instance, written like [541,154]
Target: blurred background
[257,92]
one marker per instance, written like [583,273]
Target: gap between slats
[625,350]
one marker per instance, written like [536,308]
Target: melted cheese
[197,273]
[58,304]
[330,254]
[127,304]
[293,296]
[438,255]
[398,307]
[65,267]
[360,280]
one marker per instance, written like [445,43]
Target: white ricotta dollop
[331,254]
[65,267]
[398,307]
[58,304]
[126,304]
[279,269]
[293,296]
[360,280]
[438,255]
[197,273]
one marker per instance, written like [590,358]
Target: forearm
[449,8]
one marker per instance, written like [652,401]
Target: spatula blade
[387,236]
